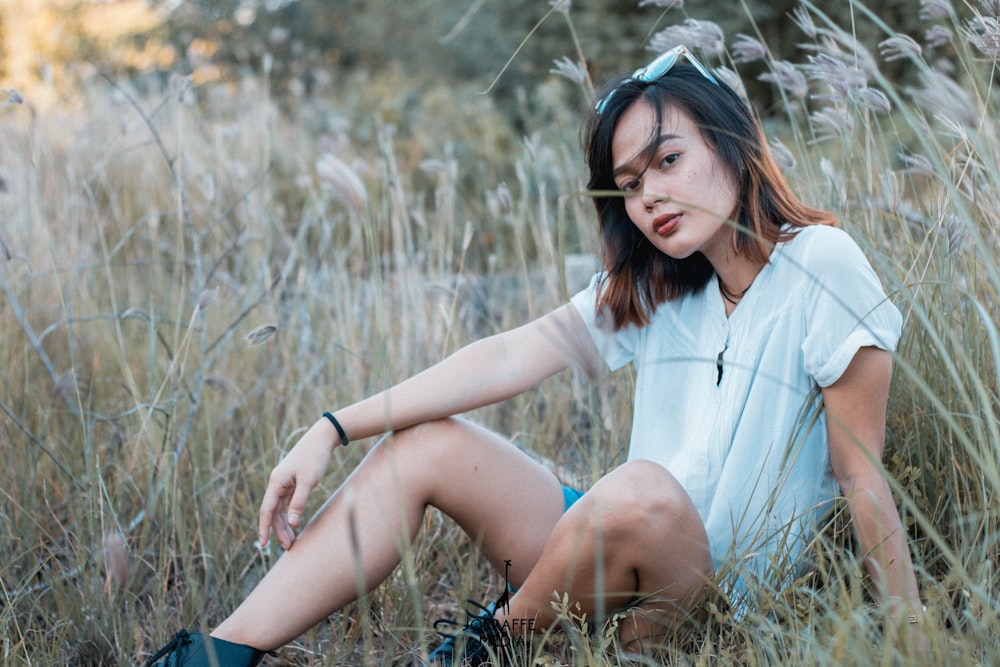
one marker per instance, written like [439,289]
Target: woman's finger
[271,508]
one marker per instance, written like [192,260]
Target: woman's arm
[482,373]
[856,413]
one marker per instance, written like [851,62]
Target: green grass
[146,236]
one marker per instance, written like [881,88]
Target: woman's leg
[495,492]
[634,540]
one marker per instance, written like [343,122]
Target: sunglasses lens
[658,67]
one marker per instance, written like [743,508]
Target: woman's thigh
[498,495]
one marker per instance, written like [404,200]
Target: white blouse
[749,442]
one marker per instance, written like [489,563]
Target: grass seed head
[937,36]
[788,77]
[934,10]
[782,156]
[572,70]
[698,35]
[941,96]
[262,334]
[662,4]
[207,298]
[873,100]
[984,33]
[344,181]
[561,6]
[899,47]
[746,49]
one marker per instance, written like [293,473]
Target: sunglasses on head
[657,68]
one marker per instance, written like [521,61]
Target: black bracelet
[340,429]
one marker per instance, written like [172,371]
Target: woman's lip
[665,224]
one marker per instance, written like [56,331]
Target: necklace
[733,297]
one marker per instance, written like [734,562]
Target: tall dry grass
[190,276]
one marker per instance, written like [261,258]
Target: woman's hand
[291,482]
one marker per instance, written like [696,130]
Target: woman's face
[679,194]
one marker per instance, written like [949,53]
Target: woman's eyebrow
[646,154]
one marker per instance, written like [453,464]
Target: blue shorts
[570,496]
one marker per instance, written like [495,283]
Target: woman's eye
[669,159]
[629,186]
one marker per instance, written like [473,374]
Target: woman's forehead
[640,130]
[641,120]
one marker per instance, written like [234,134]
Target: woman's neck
[736,276]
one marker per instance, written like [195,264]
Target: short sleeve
[845,308]
[617,347]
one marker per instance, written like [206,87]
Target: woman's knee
[422,443]
[641,508]
[642,493]
[434,453]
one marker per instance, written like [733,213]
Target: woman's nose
[653,194]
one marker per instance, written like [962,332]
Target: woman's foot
[193,649]
[480,641]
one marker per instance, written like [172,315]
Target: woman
[740,308]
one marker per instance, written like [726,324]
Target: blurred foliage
[49,46]
[299,42]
